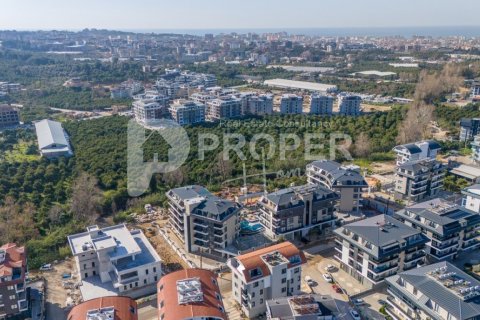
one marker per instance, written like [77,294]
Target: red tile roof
[253,260]
[123,308]
[15,257]
[172,310]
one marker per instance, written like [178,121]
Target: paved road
[148,310]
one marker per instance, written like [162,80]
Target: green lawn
[22,152]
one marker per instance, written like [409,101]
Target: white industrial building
[53,141]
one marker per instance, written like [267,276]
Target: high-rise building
[224,108]
[373,249]
[147,111]
[321,104]
[258,104]
[186,112]
[190,294]
[291,104]
[349,105]
[13,269]
[269,273]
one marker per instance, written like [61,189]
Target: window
[124,287]
[93,264]
[84,266]
[146,271]
[154,269]
[12,297]
[155,278]
[255,284]
[253,304]
[136,284]
[284,280]
[297,270]
[14,306]
[161,304]
[261,291]
[284,289]
[145,281]
[284,271]
[261,301]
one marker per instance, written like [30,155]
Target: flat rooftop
[303,85]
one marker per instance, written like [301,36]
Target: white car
[46,267]
[327,277]
[310,281]
[355,314]
[330,268]
[358,302]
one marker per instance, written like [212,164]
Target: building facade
[13,270]
[349,105]
[187,112]
[259,104]
[115,308]
[121,260]
[421,150]
[291,104]
[8,116]
[294,212]
[203,222]
[224,108]
[147,111]
[476,149]
[438,291]
[190,294]
[345,180]
[321,105]
[269,273]
[471,200]
[303,307]
[469,128]
[375,248]
[450,228]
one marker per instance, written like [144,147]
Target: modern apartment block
[450,228]
[293,212]
[259,104]
[190,294]
[438,291]
[291,104]
[186,112]
[476,149]
[471,201]
[8,116]
[321,104]
[417,180]
[224,108]
[349,105]
[114,308]
[269,273]
[203,222]
[345,180]
[416,151]
[469,128]
[303,307]
[475,88]
[13,269]
[202,97]
[126,89]
[375,248]
[118,260]
[146,111]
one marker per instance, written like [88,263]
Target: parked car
[46,267]
[310,281]
[358,302]
[327,277]
[355,314]
[382,302]
[330,268]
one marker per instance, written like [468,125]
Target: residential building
[13,270]
[349,105]
[417,180]
[147,111]
[202,97]
[269,273]
[475,88]
[321,104]
[53,140]
[450,228]
[114,308]
[476,149]
[471,201]
[190,294]
[345,180]
[471,174]
[186,112]
[421,150]
[375,248]
[291,104]
[294,212]
[8,116]
[469,128]
[205,223]
[224,108]
[115,259]
[303,307]
[438,291]
[259,104]
[126,89]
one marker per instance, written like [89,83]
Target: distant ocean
[465,31]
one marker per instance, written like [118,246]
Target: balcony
[391,304]
[382,269]
[444,246]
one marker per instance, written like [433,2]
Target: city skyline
[149,15]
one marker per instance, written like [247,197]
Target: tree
[86,198]
[223,167]
[362,146]
[416,124]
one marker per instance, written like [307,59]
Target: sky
[230,14]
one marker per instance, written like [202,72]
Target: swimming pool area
[250,228]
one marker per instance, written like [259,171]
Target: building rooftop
[311,86]
[340,175]
[444,284]
[303,307]
[13,261]
[105,308]
[253,264]
[414,148]
[465,171]
[292,196]
[6,108]
[190,293]
[50,135]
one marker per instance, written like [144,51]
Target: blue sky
[238,14]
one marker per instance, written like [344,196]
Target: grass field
[22,152]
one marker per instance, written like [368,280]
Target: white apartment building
[186,112]
[291,104]
[471,201]
[269,273]
[373,249]
[476,149]
[146,111]
[349,105]
[420,150]
[205,223]
[224,108]
[115,261]
[258,104]
[321,104]
[438,291]
[346,180]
